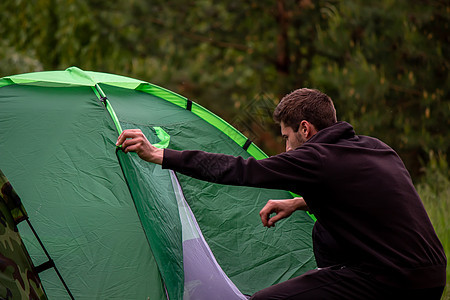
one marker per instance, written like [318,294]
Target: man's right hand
[282,208]
[135,141]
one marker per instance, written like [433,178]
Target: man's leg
[335,282]
[340,282]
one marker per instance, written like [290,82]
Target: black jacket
[359,190]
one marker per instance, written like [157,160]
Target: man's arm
[290,171]
[133,140]
[282,208]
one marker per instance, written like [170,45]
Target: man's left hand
[282,208]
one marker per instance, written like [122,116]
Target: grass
[434,189]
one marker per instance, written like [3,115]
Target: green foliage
[385,63]
[389,71]
[434,190]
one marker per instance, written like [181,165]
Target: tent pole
[102,97]
[50,263]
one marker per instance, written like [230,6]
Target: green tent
[111,226]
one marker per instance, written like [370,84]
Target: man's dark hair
[305,104]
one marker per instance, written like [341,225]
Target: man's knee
[261,295]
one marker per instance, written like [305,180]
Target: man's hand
[282,208]
[135,141]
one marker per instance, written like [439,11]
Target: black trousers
[334,280]
[340,282]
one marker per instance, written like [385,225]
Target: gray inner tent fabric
[203,277]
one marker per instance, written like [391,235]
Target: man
[373,238]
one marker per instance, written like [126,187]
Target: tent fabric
[58,151]
[156,205]
[72,76]
[115,225]
[75,77]
[16,264]
[12,200]
[203,275]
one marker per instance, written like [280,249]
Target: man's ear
[307,130]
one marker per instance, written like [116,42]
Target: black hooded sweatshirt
[358,189]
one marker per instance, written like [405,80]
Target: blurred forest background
[385,63]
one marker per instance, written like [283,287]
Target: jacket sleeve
[287,171]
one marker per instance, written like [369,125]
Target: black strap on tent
[50,263]
[247,144]
[45,266]
[103,99]
[189,105]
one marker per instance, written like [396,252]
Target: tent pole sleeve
[102,97]
[312,216]
[113,115]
